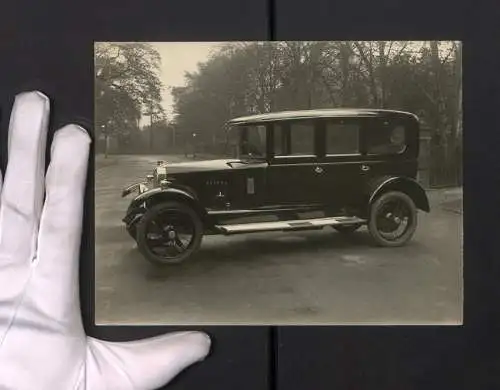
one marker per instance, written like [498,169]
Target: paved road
[284,278]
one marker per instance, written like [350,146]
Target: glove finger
[144,364]
[56,273]
[23,189]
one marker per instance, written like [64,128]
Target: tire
[132,231]
[377,220]
[347,229]
[151,217]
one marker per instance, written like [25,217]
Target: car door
[343,169]
[292,175]
[247,178]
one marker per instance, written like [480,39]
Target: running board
[299,224]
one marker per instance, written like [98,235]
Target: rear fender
[403,184]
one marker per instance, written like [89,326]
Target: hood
[198,166]
[210,165]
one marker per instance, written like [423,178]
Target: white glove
[42,341]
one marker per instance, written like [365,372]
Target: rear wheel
[393,219]
[169,233]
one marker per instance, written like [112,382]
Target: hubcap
[170,234]
[393,219]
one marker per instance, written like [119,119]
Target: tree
[257,77]
[126,83]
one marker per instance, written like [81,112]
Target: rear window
[388,138]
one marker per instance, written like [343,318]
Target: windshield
[247,142]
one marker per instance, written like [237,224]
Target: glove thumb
[144,364]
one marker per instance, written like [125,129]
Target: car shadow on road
[254,252]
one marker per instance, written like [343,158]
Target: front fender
[139,187]
[155,195]
[145,200]
[404,184]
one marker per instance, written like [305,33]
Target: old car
[294,170]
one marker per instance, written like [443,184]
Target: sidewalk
[449,199]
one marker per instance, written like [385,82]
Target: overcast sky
[178,58]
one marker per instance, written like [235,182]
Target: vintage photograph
[279,183]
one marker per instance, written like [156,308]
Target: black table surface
[49,46]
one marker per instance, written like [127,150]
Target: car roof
[317,113]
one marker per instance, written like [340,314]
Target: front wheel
[169,233]
[393,219]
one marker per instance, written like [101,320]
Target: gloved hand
[42,341]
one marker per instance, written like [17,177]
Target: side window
[253,141]
[302,138]
[280,144]
[388,138]
[294,139]
[342,138]
[257,140]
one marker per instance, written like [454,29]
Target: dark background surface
[49,46]
[410,358]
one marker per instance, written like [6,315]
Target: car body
[291,170]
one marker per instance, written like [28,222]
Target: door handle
[365,168]
[318,170]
